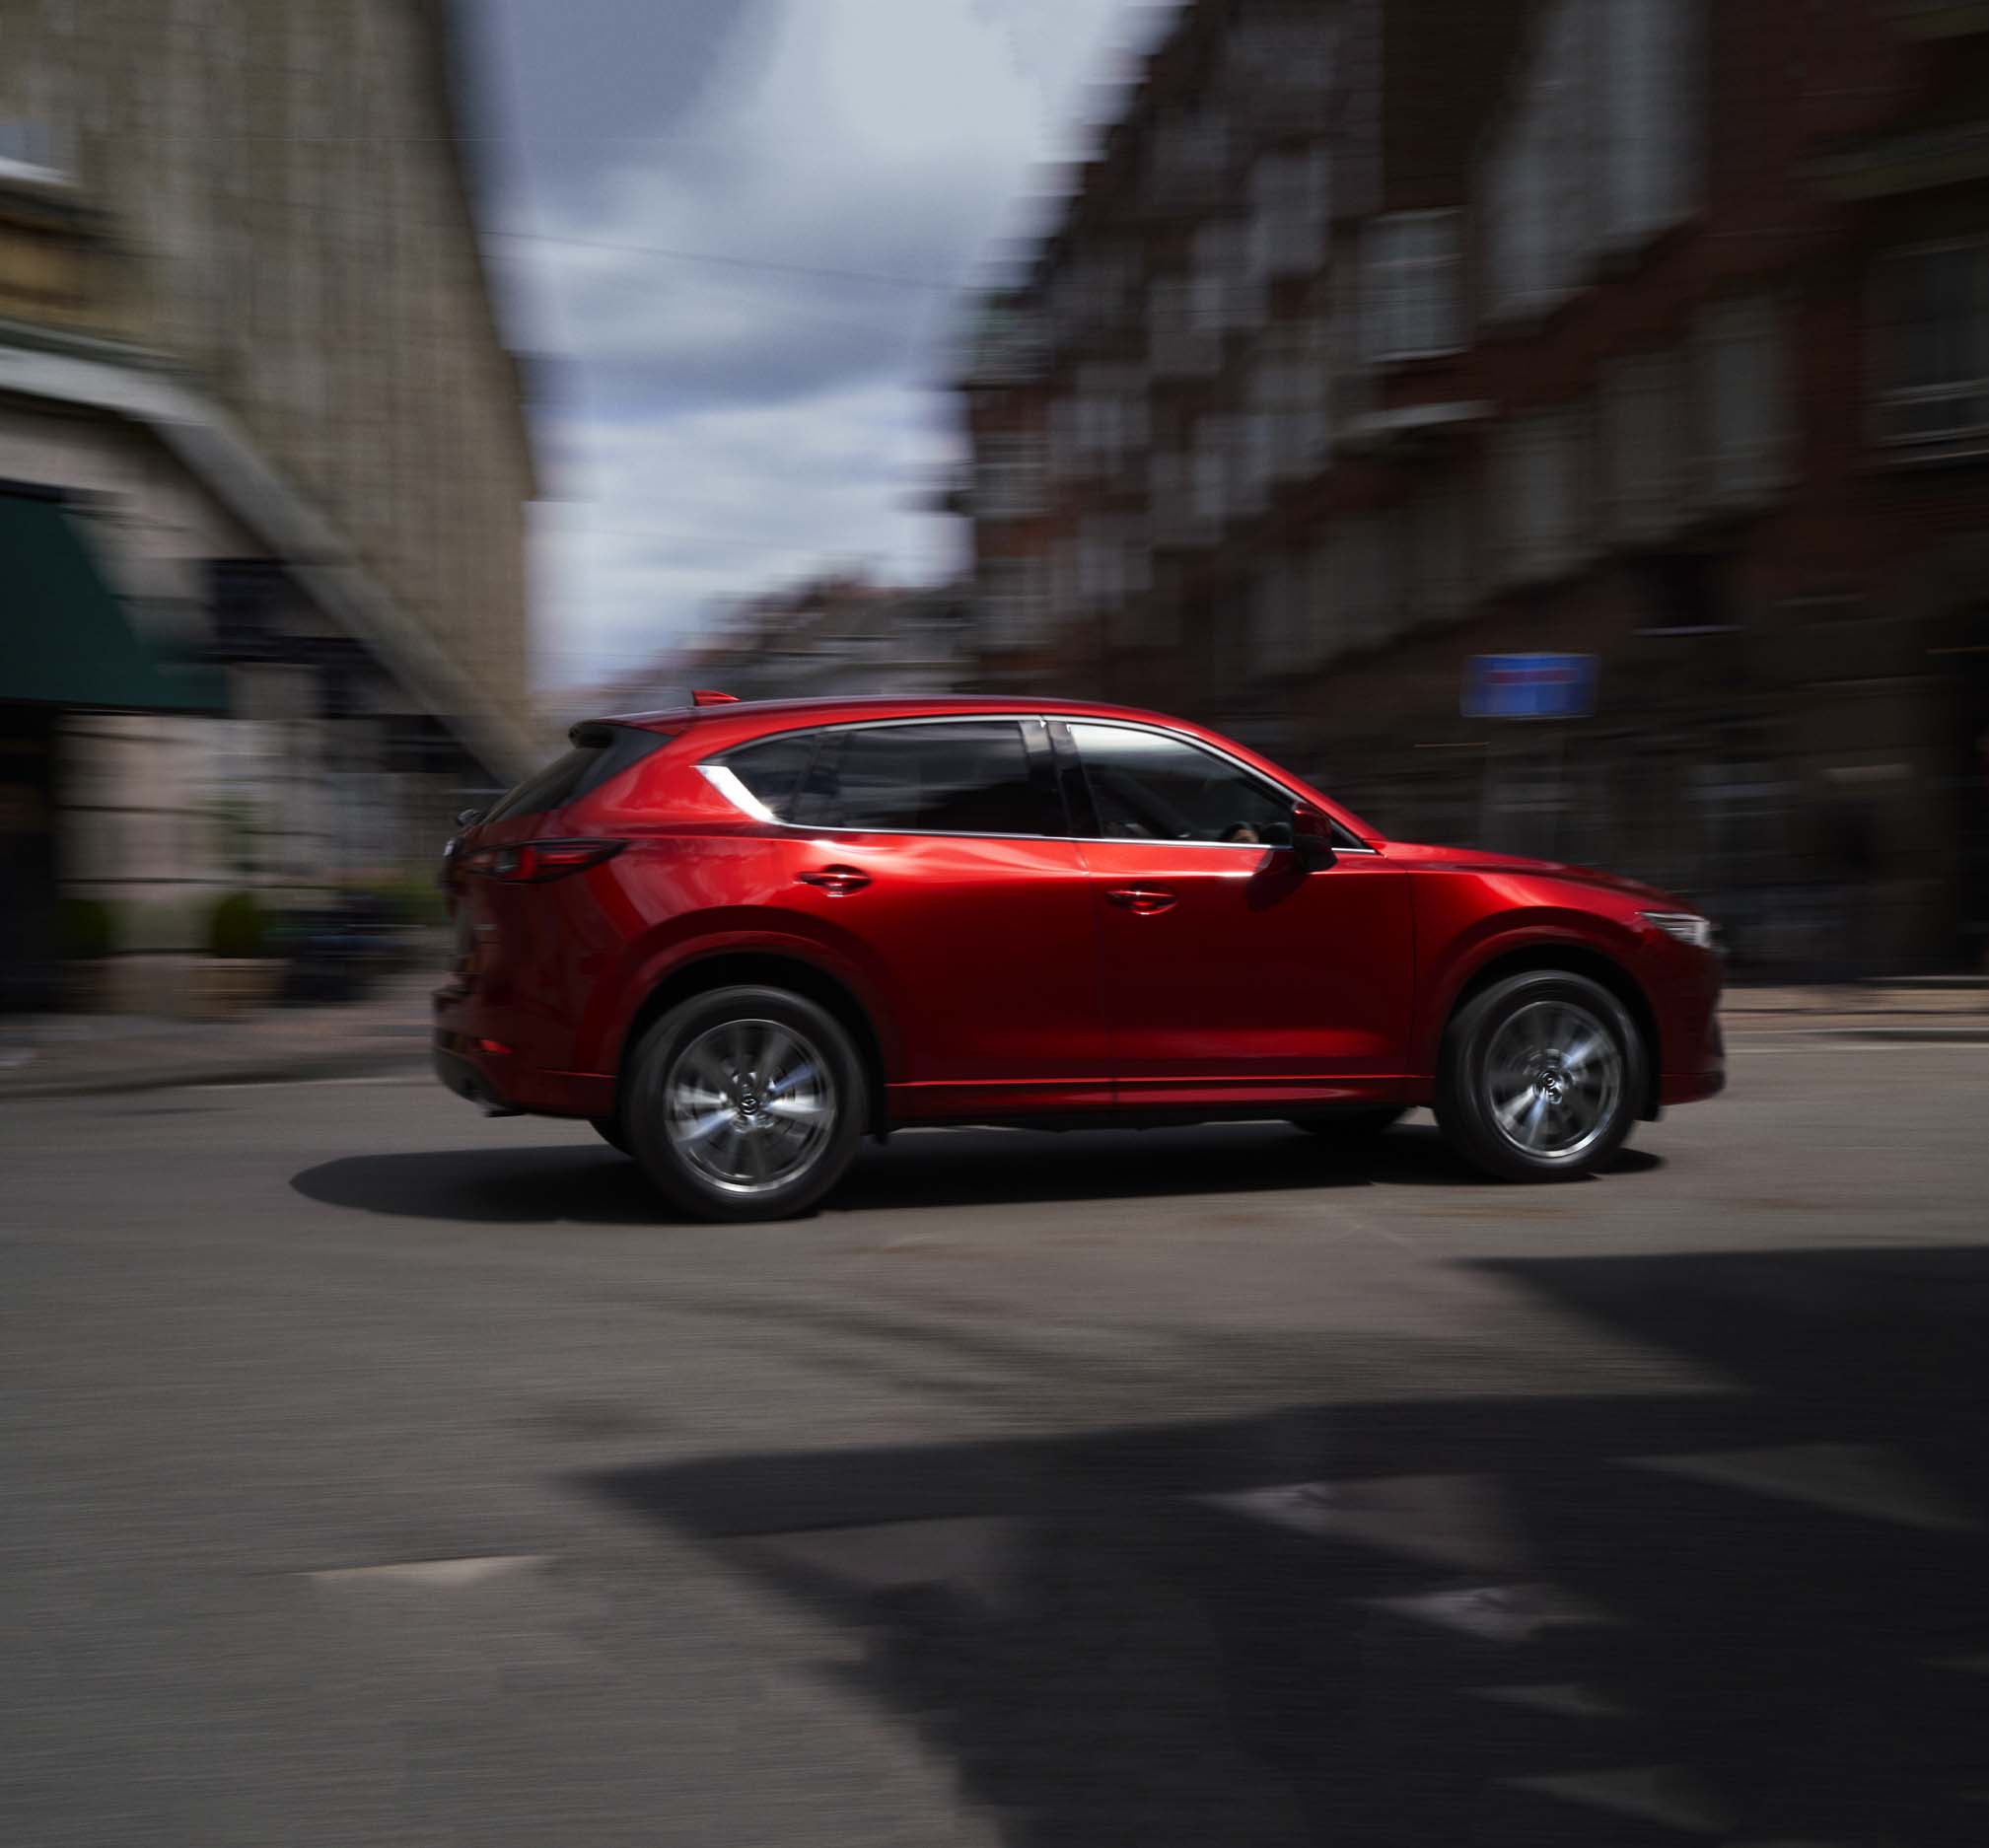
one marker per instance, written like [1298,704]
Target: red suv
[739,937]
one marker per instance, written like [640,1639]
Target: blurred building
[1382,335]
[840,634]
[263,457]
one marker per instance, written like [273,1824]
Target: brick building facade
[1651,330]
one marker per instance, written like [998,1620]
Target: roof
[888,705]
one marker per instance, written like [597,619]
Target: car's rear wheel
[609,1130]
[1540,1076]
[745,1104]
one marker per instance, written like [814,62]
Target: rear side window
[974,777]
[971,777]
[774,772]
[600,751]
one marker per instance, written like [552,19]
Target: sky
[707,429]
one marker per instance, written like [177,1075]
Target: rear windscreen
[601,752]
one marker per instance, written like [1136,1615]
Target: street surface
[374,1473]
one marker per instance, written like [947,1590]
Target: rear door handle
[837,880]
[1145,899]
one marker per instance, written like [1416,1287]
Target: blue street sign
[1529,686]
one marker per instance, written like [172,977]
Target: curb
[1916,1035]
[271,1069]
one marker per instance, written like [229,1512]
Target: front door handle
[1145,899]
[837,880]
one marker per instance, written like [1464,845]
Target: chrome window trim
[708,767]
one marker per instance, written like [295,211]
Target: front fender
[1451,964]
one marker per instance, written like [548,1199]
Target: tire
[745,1104]
[1352,1127]
[1540,1077]
[608,1130]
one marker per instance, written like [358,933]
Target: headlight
[1688,926]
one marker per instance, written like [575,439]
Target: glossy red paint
[998,977]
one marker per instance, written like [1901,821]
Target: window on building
[1211,472]
[1540,472]
[1600,146]
[1409,288]
[1291,210]
[1101,563]
[1649,126]
[1181,345]
[1009,475]
[1006,346]
[1168,496]
[1439,563]
[1644,429]
[1931,345]
[1015,603]
[1742,397]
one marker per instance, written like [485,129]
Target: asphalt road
[374,1473]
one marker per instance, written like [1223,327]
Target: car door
[1230,973]
[934,853]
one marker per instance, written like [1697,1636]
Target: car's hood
[1477,860]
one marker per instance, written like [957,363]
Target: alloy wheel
[1553,1077]
[750,1106]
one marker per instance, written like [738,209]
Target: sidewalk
[1929,1011]
[75,1054]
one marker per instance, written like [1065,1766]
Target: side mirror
[1311,838]
[468,817]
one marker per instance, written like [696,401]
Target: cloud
[722,427]
[674,516]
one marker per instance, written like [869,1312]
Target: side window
[774,772]
[1147,787]
[971,777]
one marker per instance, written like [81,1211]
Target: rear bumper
[504,1085]
[467,1079]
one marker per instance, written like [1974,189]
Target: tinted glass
[605,750]
[774,770]
[1147,787]
[974,777]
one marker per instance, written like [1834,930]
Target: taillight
[534,862]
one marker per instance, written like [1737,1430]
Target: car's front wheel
[1540,1076]
[745,1103]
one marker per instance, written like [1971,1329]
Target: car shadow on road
[1748,1615]
[586,1185]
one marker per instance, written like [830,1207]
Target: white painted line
[1657,1793]
[442,1575]
[299,1084]
[1566,1700]
[1850,1478]
[1498,1613]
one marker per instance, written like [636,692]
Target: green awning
[64,638]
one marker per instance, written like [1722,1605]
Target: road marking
[1657,1793]
[1850,1478]
[298,1084]
[1566,1700]
[1498,1613]
[442,1575]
